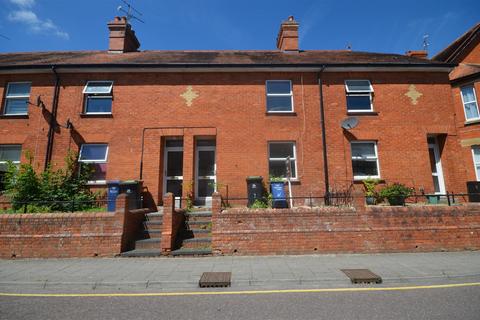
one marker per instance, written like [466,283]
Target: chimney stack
[422,54]
[287,39]
[122,37]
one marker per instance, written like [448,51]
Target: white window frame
[12,145]
[476,147]
[476,103]
[97,95]
[284,159]
[362,93]
[280,95]
[16,97]
[361,158]
[94,161]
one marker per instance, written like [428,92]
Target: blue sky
[377,26]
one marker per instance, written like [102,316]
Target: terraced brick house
[191,122]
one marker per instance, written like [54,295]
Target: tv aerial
[131,12]
[425,42]
[349,123]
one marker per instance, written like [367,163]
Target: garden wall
[67,235]
[346,230]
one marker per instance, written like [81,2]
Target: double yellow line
[247,292]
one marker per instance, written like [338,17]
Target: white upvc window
[365,160]
[16,98]
[470,105]
[8,152]
[359,95]
[95,154]
[279,96]
[476,160]
[98,97]
[278,152]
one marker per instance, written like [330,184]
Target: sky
[375,26]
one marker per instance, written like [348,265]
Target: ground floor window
[365,160]
[93,156]
[8,152]
[278,152]
[476,160]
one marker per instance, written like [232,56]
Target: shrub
[396,193]
[370,187]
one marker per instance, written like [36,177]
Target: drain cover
[215,279]
[362,276]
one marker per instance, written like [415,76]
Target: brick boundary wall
[346,230]
[68,235]
[171,223]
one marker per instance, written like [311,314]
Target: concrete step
[152,233]
[197,243]
[191,252]
[198,224]
[153,225]
[142,253]
[151,243]
[154,216]
[203,213]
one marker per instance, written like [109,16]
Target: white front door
[205,172]
[173,169]
[436,165]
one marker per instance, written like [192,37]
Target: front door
[173,169]
[205,168]
[436,165]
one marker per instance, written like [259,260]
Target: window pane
[358,85]
[358,103]
[476,154]
[99,171]
[100,87]
[471,110]
[10,153]
[279,103]
[364,168]
[206,187]
[16,106]
[175,187]
[18,89]
[478,170]
[277,168]
[206,163]
[436,184]
[96,152]
[175,163]
[95,105]
[206,143]
[174,143]
[281,150]
[433,162]
[468,94]
[278,87]
[363,150]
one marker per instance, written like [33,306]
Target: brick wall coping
[59,215]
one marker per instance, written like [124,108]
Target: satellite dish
[349,123]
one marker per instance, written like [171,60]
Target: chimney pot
[122,37]
[422,54]
[287,39]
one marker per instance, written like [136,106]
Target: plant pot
[396,200]
[370,200]
[433,199]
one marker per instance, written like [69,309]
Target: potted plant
[396,194]
[371,195]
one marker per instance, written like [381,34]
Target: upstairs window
[94,156]
[364,160]
[476,160]
[359,95]
[16,98]
[8,153]
[277,157]
[279,96]
[470,105]
[98,97]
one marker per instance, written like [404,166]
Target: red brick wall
[232,108]
[341,230]
[68,235]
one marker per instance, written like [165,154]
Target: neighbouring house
[465,79]
[190,122]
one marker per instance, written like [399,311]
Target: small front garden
[53,190]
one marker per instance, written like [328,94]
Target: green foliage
[259,204]
[63,189]
[370,187]
[396,191]
[276,179]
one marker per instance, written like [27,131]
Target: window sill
[293,181]
[469,122]
[96,115]
[97,183]
[360,180]
[14,116]
[285,114]
[362,113]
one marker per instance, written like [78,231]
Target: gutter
[324,138]
[53,119]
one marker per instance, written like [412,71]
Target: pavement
[248,272]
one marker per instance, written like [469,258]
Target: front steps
[149,244]
[195,239]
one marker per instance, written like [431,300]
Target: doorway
[436,165]
[205,171]
[173,168]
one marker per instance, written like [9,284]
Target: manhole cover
[362,276]
[215,279]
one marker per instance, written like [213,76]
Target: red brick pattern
[342,230]
[172,221]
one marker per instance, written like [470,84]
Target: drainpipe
[324,138]
[53,119]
